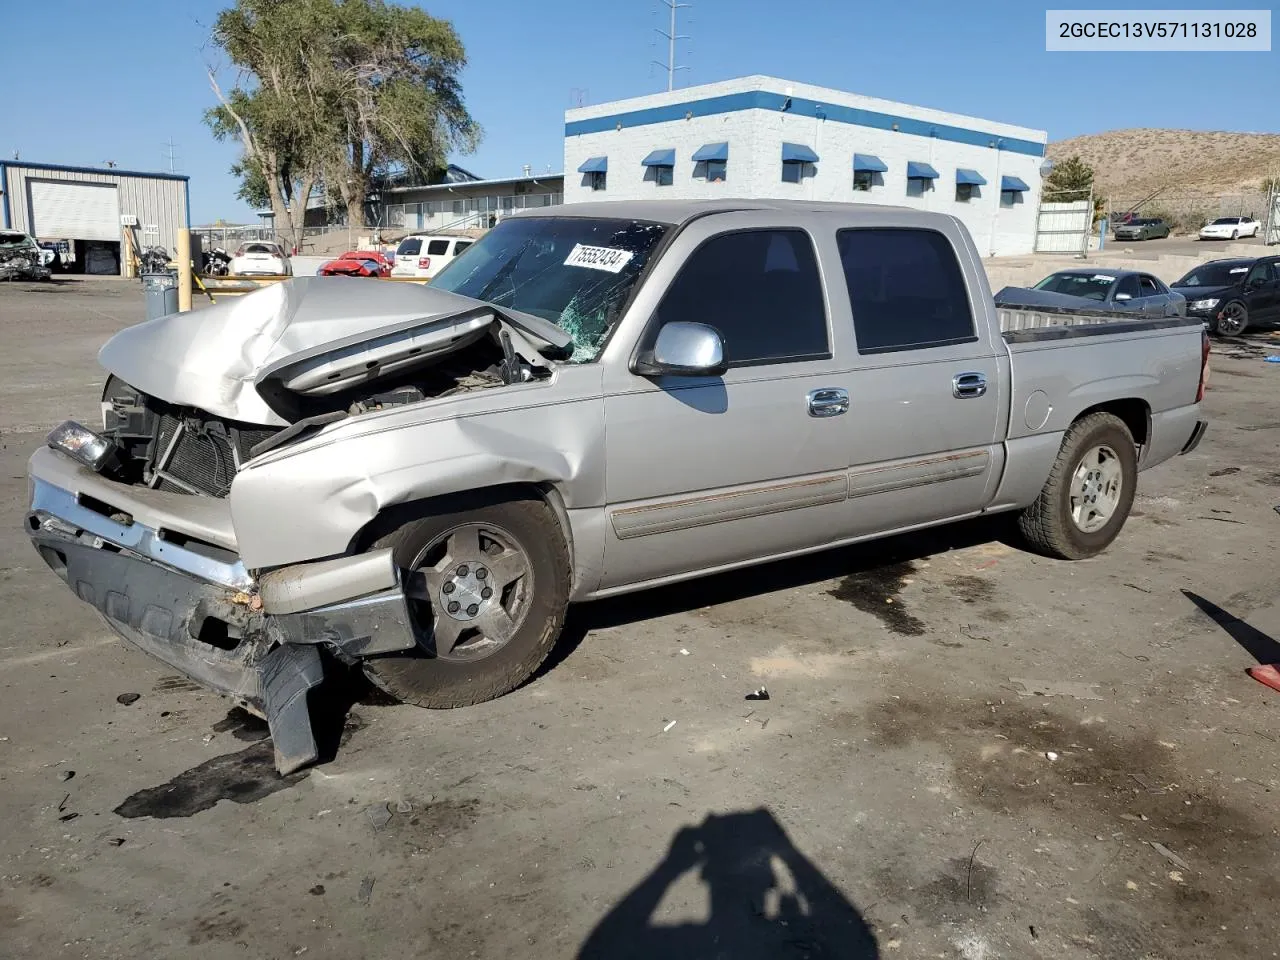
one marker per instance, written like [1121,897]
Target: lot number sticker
[598,258]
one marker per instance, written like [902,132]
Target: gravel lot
[968,752]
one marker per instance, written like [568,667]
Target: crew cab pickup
[598,398]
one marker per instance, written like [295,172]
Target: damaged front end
[172,584]
[136,520]
[21,260]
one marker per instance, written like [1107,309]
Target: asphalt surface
[1182,246]
[968,752]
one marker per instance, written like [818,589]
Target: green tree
[345,90]
[1070,179]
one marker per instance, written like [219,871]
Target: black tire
[1047,524]
[420,678]
[1235,234]
[1235,316]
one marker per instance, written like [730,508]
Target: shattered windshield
[576,273]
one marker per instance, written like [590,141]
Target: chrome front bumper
[192,604]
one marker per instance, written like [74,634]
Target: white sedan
[261,258]
[1230,228]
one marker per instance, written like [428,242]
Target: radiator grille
[202,459]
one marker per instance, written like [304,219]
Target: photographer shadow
[767,900]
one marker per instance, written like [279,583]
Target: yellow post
[184,271]
[126,260]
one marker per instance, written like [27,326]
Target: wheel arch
[1133,412]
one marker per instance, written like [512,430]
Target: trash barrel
[162,293]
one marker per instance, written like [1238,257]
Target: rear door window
[906,289]
[1127,288]
[1149,287]
[762,291]
[409,247]
[437,248]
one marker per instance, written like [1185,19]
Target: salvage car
[1230,228]
[598,398]
[261,258]
[1142,228]
[1231,295]
[356,263]
[21,258]
[1124,291]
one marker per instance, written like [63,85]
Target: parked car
[1125,291]
[1230,228]
[1232,295]
[388,261]
[596,399]
[1142,228]
[354,264]
[21,258]
[425,256]
[262,258]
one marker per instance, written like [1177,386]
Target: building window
[717,170]
[863,179]
[664,176]
[792,172]
[596,180]
[964,192]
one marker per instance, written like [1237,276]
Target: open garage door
[79,211]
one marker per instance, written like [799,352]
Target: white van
[423,255]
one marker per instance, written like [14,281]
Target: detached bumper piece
[201,613]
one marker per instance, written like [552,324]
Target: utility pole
[171,156]
[671,37]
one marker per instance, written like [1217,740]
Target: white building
[764,137]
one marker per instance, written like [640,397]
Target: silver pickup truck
[595,399]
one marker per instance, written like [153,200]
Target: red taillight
[424,263]
[1204,365]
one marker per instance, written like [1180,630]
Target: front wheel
[1089,493]
[1233,320]
[489,584]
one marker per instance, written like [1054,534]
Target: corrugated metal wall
[154,201]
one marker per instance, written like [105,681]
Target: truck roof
[682,211]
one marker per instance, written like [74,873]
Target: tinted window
[259,248]
[1149,287]
[1227,221]
[1215,275]
[1087,285]
[906,289]
[460,246]
[437,248]
[760,289]
[409,247]
[1261,273]
[1129,287]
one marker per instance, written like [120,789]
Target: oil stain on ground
[1064,777]
[242,777]
[243,725]
[877,592]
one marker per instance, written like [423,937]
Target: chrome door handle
[965,386]
[828,402]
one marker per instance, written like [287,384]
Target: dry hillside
[1132,163]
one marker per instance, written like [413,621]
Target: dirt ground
[968,752]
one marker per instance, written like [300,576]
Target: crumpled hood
[307,335]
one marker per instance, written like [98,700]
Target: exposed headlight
[1202,304]
[82,444]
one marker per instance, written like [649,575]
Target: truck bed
[1026,324]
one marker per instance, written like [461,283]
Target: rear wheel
[1087,498]
[1235,234]
[488,582]
[1233,319]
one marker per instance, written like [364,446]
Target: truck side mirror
[684,350]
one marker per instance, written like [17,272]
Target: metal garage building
[92,208]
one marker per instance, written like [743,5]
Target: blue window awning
[1013,185]
[711,151]
[869,163]
[920,171]
[595,165]
[660,158]
[972,177]
[798,153]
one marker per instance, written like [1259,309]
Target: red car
[357,263]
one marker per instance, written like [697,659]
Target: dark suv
[1234,294]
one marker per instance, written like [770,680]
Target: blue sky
[116,79]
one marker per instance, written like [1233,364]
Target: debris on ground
[669,725]
[404,806]
[1169,855]
[366,890]
[1273,360]
[1050,755]
[761,694]
[63,805]
[127,698]
[1267,674]
[68,817]
[116,841]
[66,775]
[379,815]
[684,652]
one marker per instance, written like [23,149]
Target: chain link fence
[1187,214]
